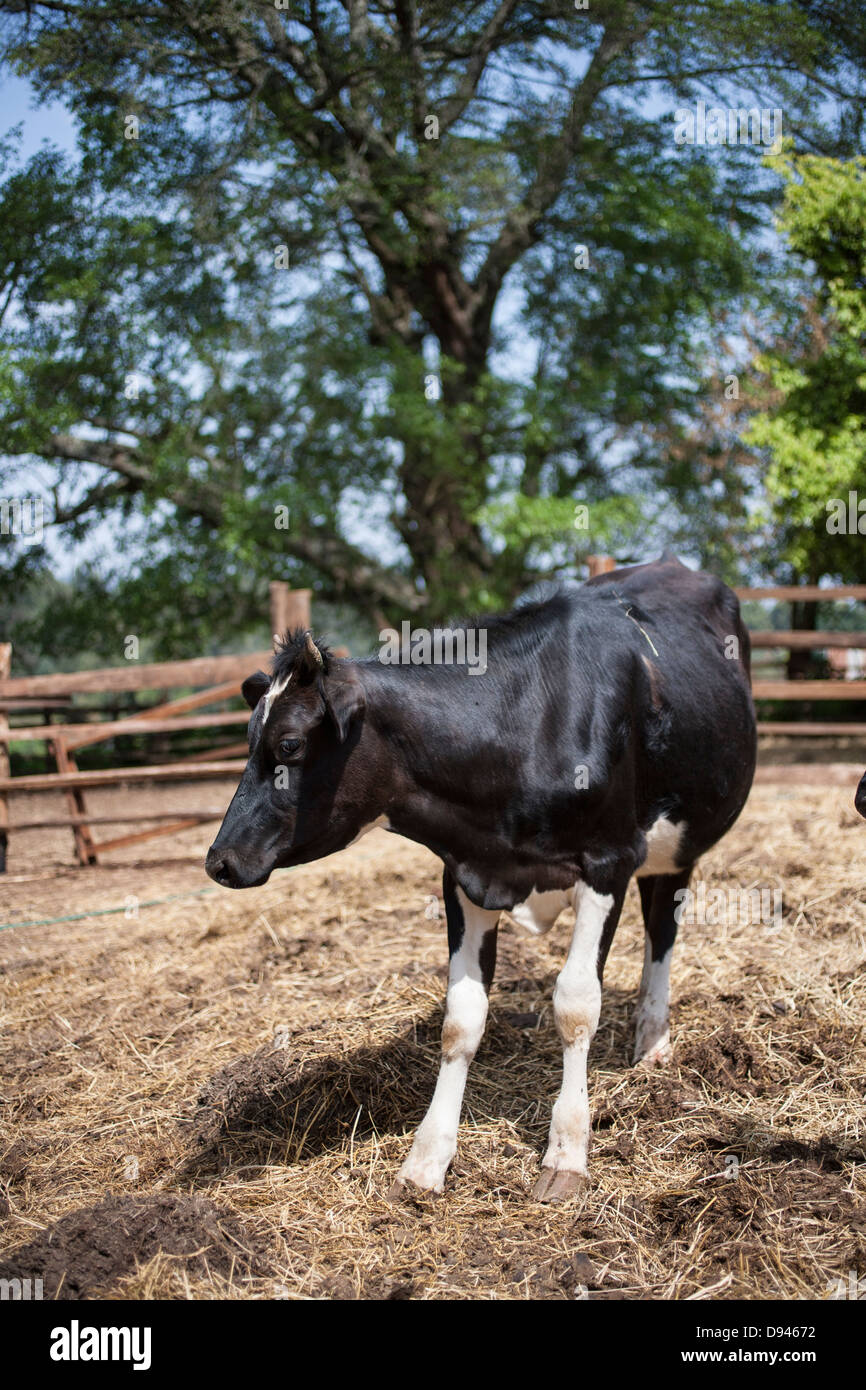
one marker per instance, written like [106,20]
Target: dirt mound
[730,1209]
[744,1215]
[90,1249]
[724,1061]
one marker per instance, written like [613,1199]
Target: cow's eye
[288,746]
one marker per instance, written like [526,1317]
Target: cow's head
[302,795]
[860,796]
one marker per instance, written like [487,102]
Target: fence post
[5,669]
[290,608]
[84,846]
[600,564]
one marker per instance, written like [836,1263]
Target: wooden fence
[208,680]
[792,640]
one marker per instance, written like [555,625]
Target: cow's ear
[254,688]
[344,697]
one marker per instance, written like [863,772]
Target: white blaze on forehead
[277,688]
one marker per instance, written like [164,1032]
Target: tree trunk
[444,480]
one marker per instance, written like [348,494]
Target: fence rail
[81,735]
[804,593]
[809,690]
[807,641]
[158,675]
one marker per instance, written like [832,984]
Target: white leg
[660,903]
[576,1008]
[469,972]
[652,1044]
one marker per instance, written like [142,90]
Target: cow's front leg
[472,948]
[576,1009]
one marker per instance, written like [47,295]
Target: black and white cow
[612,734]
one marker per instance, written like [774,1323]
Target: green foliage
[545,525]
[814,426]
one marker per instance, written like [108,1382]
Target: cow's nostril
[217,865]
[234,868]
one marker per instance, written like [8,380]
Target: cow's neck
[422,719]
[418,726]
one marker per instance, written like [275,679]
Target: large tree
[436,378]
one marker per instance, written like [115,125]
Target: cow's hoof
[404,1189]
[558,1184]
[658,1055]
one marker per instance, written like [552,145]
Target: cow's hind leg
[472,948]
[576,1008]
[659,903]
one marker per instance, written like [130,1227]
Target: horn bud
[312,649]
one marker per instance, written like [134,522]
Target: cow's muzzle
[233,869]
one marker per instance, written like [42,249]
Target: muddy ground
[208,1096]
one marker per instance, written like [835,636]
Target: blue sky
[51,122]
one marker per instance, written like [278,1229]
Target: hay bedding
[210,1101]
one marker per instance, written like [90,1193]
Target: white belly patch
[538,914]
[540,910]
[663,841]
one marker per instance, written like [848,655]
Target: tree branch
[351,575]
[456,104]
[522,225]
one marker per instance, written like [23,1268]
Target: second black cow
[611,734]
